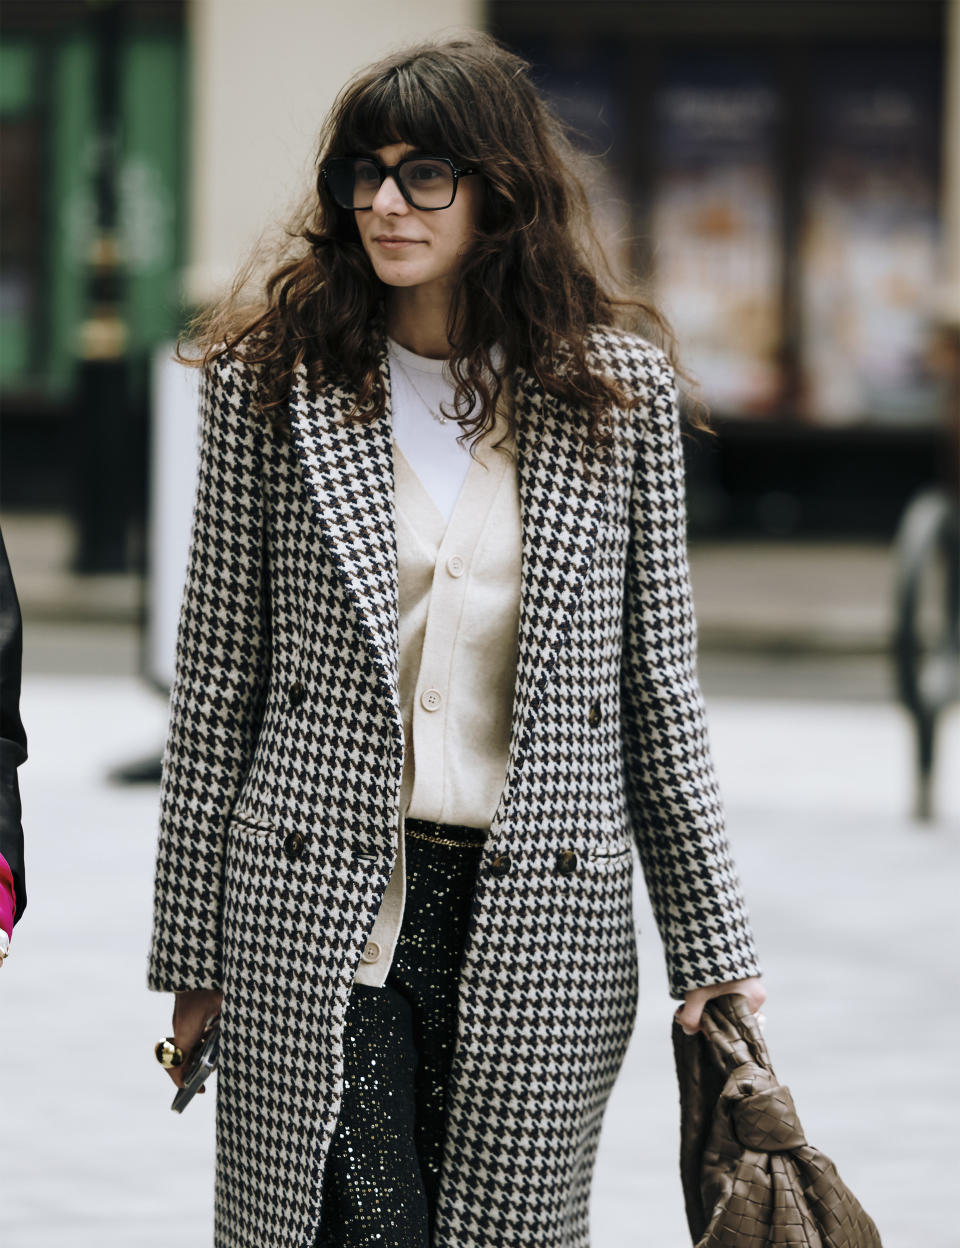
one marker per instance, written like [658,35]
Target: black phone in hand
[200,1065]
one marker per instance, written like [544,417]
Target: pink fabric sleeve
[8,897]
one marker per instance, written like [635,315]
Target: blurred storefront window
[20,199]
[584,92]
[774,180]
[780,195]
[48,134]
[716,226]
[870,239]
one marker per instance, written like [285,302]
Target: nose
[389,199]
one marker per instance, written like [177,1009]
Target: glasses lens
[353,181]
[428,183]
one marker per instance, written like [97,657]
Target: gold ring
[167,1053]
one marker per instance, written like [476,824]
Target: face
[408,247]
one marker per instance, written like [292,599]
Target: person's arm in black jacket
[13,741]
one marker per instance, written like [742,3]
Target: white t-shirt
[419,386]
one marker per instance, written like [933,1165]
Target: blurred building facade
[155,139]
[51,139]
[774,172]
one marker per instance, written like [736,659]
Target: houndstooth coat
[280,797]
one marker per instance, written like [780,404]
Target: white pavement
[854,908]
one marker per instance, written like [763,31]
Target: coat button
[594,715]
[293,845]
[297,694]
[567,861]
[500,864]
[455,565]
[371,951]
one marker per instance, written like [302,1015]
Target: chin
[400,275]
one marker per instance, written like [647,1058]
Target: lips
[392,241]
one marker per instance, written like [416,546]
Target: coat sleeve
[13,740]
[216,703]
[672,796]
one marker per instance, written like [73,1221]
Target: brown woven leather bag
[750,1179]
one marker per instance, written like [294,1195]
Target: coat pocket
[614,856]
[249,825]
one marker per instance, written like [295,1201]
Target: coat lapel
[349,471]
[562,486]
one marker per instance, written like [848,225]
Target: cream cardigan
[459,605]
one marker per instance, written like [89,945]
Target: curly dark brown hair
[534,280]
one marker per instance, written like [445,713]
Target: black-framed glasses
[425,182]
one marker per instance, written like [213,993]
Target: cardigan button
[500,864]
[297,694]
[567,861]
[455,565]
[594,715]
[371,951]
[430,699]
[293,845]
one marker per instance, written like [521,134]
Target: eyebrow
[414,153]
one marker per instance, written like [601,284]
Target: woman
[430,692]
[13,752]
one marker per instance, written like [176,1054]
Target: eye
[423,172]
[366,173]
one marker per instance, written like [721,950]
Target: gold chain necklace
[437,416]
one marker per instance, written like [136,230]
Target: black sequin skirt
[383,1168]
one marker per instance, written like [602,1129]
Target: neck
[417,319]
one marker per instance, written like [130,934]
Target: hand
[190,1012]
[688,1014]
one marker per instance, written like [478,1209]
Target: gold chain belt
[443,840]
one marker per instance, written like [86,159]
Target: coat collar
[348,469]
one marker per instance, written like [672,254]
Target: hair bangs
[397,107]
